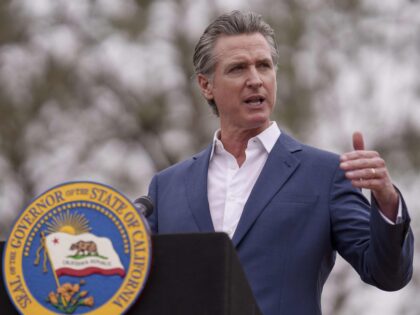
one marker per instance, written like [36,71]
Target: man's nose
[254,78]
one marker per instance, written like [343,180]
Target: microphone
[144,205]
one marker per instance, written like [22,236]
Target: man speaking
[287,207]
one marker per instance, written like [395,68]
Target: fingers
[359,147]
[372,184]
[350,161]
[371,166]
[358,155]
[367,174]
[358,143]
[366,169]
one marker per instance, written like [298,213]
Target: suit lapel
[196,184]
[280,165]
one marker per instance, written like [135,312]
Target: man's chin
[259,123]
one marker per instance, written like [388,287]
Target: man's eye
[237,68]
[265,65]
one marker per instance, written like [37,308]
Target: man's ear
[206,86]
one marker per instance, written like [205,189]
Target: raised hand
[366,169]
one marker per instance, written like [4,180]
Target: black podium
[191,274]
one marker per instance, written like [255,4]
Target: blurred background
[104,90]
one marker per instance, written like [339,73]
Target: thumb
[358,143]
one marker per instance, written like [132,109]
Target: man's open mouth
[255,100]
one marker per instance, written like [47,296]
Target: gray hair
[233,23]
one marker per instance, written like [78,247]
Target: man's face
[243,84]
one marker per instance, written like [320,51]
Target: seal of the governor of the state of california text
[79,248]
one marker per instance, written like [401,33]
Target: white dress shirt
[229,186]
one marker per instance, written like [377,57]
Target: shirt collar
[267,138]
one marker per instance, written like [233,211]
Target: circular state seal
[79,248]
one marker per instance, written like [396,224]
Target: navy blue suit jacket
[301,211]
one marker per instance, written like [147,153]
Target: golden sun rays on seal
[70,223]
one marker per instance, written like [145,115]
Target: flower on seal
[53,298]
[88,301]
[68,297]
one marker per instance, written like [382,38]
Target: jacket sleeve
[380,252]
